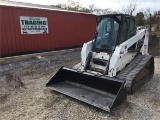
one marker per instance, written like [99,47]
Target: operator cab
[112,30]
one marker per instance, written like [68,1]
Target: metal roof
[35,6]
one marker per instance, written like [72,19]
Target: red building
[26,28]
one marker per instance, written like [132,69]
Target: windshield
[107,30]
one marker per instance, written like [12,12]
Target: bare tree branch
[130,8]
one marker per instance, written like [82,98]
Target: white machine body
[121,55]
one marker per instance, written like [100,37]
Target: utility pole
[158,23]
[150,24]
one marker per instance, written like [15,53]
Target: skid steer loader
[116,62]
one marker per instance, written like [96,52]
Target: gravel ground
[23,95]
[154,46]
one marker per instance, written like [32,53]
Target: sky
[112,4]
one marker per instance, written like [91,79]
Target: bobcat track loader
[116,62]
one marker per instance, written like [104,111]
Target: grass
[156,33]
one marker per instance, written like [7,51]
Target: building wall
[65,30]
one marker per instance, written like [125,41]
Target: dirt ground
[24,96]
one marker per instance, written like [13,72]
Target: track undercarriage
[137,73]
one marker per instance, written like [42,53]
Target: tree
[73,6]
[130,8]
[156,19]
[139,19]
[147,14]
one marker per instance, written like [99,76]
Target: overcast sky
[113,4]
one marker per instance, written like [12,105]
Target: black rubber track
[135,73]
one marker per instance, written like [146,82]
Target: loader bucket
[100,91]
